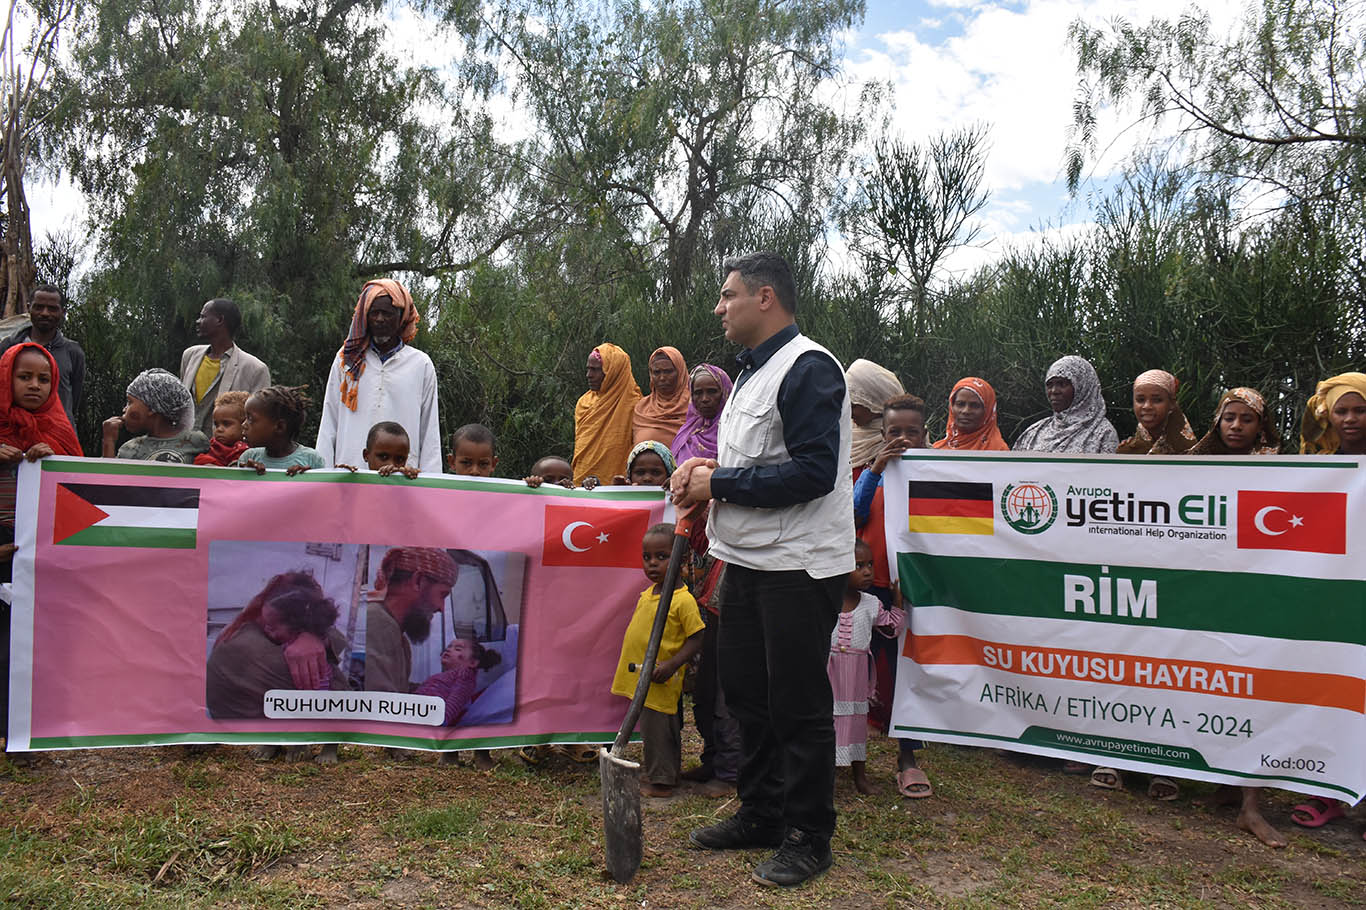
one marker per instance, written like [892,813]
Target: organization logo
[1029,507]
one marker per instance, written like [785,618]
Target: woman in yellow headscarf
[1335,418]
[602,417]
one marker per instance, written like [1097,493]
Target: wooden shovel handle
[682,531]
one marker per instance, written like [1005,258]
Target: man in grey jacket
[209,370]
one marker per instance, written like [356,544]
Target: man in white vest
[782,519]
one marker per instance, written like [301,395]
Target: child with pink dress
[851,668]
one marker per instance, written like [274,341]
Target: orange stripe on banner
[1328,690]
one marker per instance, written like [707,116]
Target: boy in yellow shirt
[660,724]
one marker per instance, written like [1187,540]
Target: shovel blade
[621,815]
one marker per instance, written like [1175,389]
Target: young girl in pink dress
[851,665]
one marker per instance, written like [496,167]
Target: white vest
[817,536]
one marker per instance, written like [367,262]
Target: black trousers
[773,649]
[720,735]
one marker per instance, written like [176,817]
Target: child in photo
[274,416]
[472,451]
[661,725]
[229,439]
[160,409]
[461,661]
[472,455]
[852,679]
[551,469]
[285,617]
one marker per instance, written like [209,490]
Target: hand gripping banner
[1198,616]
[159,604]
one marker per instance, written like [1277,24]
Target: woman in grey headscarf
[1078,422]
[161,408]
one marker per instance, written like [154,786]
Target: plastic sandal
[1106,779]
[913,784]
[1163,789]
[1309,815]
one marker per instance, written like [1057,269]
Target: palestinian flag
[950,507]
[110,515]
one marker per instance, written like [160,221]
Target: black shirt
[70,367]
[810,402]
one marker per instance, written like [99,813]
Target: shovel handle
[682,531]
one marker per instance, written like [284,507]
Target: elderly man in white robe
[379,376]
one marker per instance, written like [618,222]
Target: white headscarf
[1082,427]
[869,385]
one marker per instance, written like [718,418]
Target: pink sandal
[1308,815]
[912,783]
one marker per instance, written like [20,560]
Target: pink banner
[156,603]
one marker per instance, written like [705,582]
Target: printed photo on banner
[436,627]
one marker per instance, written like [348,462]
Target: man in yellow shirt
[208,370]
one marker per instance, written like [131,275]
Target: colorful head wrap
[1177,435]
[24,429]
[697,437]
[164,394]
[432,562]
[659,418]
[1317,436]
[988,435]
[602,419]
[358,338]
[1268,440]
[658,448]
[1082,427]
[869,385]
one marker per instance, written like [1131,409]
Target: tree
[666,123]
[1282,102]
[914,206]
[25,71]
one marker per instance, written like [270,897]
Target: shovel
[621,778]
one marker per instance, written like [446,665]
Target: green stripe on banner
[114,536]
[330,736]
[1273,606]
[156,469]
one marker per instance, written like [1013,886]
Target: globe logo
[1029,507]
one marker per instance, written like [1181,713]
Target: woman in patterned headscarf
[972,418]
[1334,421]
[603,415]
[1078,422]
[1162,427]
[1240,427]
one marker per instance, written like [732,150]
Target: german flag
[949,507]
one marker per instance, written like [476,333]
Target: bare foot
[483,760]
[264,753]
[863,785]
[449,758]
[1250,819]
[328,755]
[296,753]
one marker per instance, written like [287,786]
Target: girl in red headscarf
[972,417]
[33,425]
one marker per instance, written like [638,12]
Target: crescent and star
[567,537]
[1260,521]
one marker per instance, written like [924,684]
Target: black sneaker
[700,775]
[737,833]
[801,857]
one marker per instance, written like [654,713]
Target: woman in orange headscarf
[602,416]
[659,416]
[972,418]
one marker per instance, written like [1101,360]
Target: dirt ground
[161,827]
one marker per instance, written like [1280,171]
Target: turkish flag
[594,536]
[1309,522]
